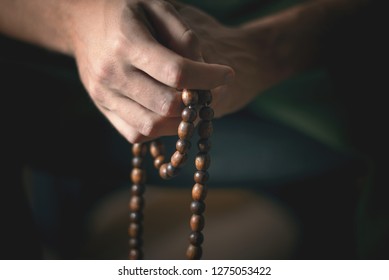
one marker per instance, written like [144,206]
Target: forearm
[40,22]
[301,36]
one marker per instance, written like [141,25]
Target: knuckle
[104,73]
[150,127]
[147,127]
[118,46]
[99,96]
[174,72]
[134,137]
[138,56]
[168,107]
[190,39]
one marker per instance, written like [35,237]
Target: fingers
[147,54]
[128,132]
[173,31]
[178,72]
[144,55]
[136,123]
[121,102]
[151,94]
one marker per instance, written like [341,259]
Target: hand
[131,77]
[262,53]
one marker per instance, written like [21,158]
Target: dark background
[57,143]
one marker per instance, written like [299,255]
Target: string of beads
[197,103]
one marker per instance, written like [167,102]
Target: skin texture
[133,56]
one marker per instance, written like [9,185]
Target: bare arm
[39,22]
[299,37]
[133,78]
[130,76]
[268,50]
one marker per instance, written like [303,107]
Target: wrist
[79,23]
[300,37]
[285,43]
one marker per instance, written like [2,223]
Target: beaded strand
[201,176]
[167,170]
[136,203]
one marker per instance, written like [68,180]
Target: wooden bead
[158,161]
[204,145]
[138,176]
[202,161]
[189,114]
[189,97]
[199,192]
[134,230]
[178,160]
[196,238]
[136,203]
[183,146]
[135,217]
[157,148]
[194,252]
[135,254]
[135,243]
[205,97]
[137,162]
[185,130]
[197,207]
[138,189]
[206,113]
[163,171]
[205,129]
[171,170]
[197,222]
[201,177]
[139,149]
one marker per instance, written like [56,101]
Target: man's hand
[267,50]
[132,77]
[134,55]
[255,51]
